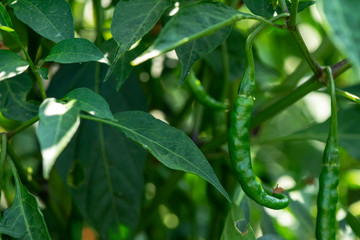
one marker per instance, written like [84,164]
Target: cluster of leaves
[85,160]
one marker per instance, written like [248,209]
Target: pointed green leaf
[344,21]
[91,102]
[23,220]
[122,67]
[11,64]
[190,23]
[134,18]
[58,124]
[75,50]
[51,19]
[13,93]
[131,21]
[189,53]
[169,145]
[5,21]
[108,166]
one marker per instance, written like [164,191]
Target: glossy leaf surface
[91,102]
[133,19]
[169,145]
[192,22]
[75,50]
[11,64]
[58,124]
[51,19]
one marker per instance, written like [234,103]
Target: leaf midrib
[45,18]
[150,140]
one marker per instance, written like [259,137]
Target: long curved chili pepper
[329,176]
[200,94]
[239,142]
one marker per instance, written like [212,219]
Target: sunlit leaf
[103,168]
[5,21]
[122,67]
[58,123]
[11,64]
[13,93]
[90,102]
[132,19]
[23,220]
[192,22]
[51,19]
[75,50]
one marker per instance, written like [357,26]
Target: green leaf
[75,50]
[5,21]
[13,104]
[348,132]
[169,145]
[23,220]
[265,8]
[44,72]
[11,64]
[354,223]
[108,185]
[58,124]
[344,21]
[91,102]
[51,19]
[122,67]
[302,4]
[132,19]
[237,223]
[192,22]
[189,53]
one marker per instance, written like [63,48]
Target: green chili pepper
[329,176]
[239,142]
[199,93]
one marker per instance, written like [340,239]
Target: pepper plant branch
[32,65]
[310,85]
[295,33]
[314,65]
[293,13]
